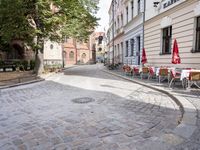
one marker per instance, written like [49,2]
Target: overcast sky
[103,14]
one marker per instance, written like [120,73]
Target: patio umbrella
[144,57]
[175,56]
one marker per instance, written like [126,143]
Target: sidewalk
[189,102]
[12,79]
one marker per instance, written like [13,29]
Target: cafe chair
[194,78]
[174,76]
[136,71]
[163,74]
[145,71]
[152,73]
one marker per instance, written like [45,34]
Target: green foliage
[27,19]
[32,64]
[1,63]
[25,64]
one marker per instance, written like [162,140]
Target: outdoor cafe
[188,77]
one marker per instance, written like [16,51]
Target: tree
[33,21]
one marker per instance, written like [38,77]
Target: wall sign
[169,3]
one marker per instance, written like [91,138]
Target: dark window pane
[166,45]
[126,48]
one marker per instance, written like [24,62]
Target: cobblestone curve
[123,115]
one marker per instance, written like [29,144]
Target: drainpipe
[143,21]
[113,11]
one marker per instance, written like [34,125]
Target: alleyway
[87,109]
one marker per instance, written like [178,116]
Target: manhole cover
[83,100]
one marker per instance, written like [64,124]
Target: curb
[24,83]
[188,120]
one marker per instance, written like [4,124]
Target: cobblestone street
[85,108]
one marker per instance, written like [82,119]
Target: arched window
[71,55]
[83,56]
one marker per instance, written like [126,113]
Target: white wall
[52,54]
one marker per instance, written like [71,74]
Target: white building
[52,54]
[133,31]
[167,20]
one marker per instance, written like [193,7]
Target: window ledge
[195,51]
[165,53]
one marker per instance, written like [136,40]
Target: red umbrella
[144,57]
[175,57]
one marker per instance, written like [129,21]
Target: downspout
[143,21]
[113,11]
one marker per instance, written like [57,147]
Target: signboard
[165,5]
[169,3]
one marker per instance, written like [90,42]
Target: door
[138,51]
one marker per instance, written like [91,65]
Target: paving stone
[124,115]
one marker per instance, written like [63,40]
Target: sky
[104,6]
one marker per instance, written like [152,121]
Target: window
[139,7]
[122,20]
[115,25]
[83,56]
[51,46]
[118,50]
[167,40]
[126,48]
[122,48]
[127,14]
[71,55]
[118,25]
[197,47]
[100,39]
[132,46]
[65,39]
[132,8]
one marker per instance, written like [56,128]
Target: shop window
[71,55]
[167,40]
[126,48]
[197,47]
[132,47]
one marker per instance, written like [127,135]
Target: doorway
[138,51]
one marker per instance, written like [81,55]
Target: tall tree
[33,21]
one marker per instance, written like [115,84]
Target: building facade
[98,46]
[166,21]
[52,54]
[115,32]
[76,52]
[125,33]
[133,31]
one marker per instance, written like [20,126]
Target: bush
[1,63]
[32,64]
[24,64]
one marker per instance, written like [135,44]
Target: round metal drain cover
[83,100]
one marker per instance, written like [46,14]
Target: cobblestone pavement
[87,109]
[191,95]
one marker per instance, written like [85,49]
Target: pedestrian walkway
[189,99]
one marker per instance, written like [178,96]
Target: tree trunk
[39,64]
